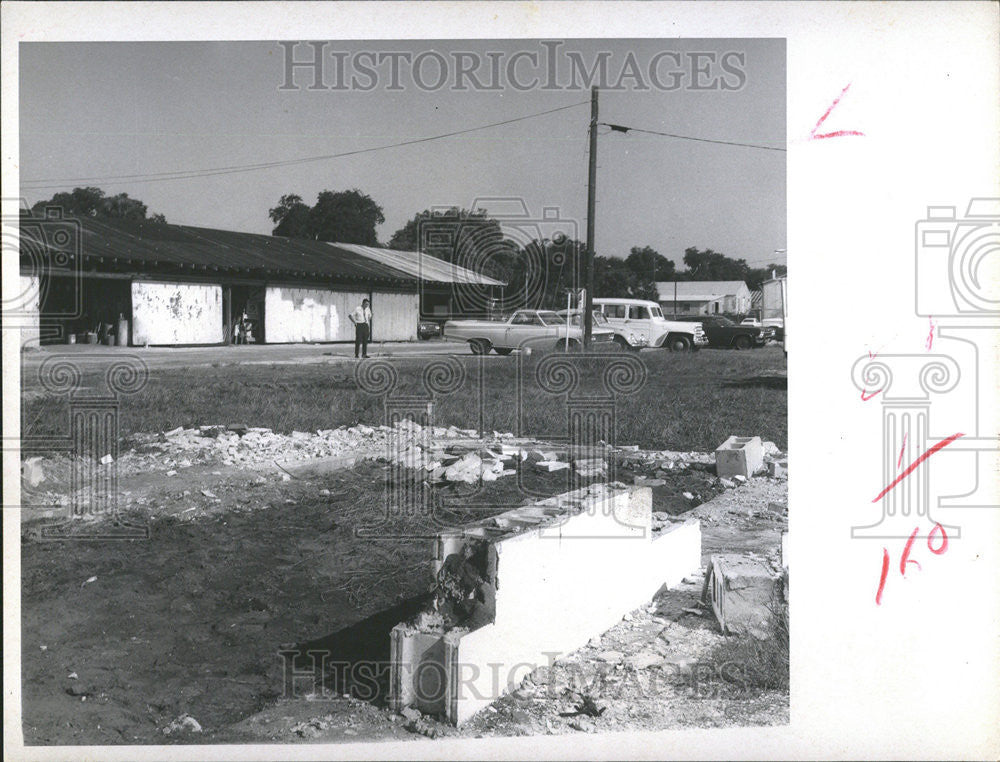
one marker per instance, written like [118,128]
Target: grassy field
[687,401]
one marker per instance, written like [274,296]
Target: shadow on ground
[355,659]
[758,382]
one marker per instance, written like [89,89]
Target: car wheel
[621,344]
[678,344]
[479,346]
[502,351]
[742,342]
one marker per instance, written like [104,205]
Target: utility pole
[588,313]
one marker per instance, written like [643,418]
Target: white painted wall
[395,316]
[309,314]
[26,308]
[176,313]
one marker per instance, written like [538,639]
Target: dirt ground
[176,638]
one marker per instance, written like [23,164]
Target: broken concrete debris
[183,723]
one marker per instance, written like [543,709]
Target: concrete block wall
[567,569]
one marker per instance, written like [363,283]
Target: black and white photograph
[426,393]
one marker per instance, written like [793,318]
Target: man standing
[362,319]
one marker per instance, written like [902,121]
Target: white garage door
[308,314]
[176,313]
[395,316]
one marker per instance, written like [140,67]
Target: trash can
[121,332]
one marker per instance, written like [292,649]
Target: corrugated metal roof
[692,289]
[421,265]
[150,243]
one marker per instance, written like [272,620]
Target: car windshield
[656,312]
[575,316]
[551,318]
[719,320]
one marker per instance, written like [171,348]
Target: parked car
[724,333]
[625,339]
[646,318]
[537,329]
[428,329]
[751,321]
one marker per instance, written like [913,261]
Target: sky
[93,112]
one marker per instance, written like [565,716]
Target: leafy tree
[337,216]
[291,218]
[711,265]
[92,202]
[471,239]
[346,217]
[612,277]
[649,265]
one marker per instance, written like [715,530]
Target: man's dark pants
[361,340]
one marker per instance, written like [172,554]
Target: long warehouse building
[162,284]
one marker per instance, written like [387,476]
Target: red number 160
[905,559]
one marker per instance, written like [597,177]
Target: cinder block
[739,456]
[743,593]
[778,469]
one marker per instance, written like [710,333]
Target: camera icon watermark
[49,248]
[527,258]
[958,261]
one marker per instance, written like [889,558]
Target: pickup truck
[724,333]
[537,329]
[645,318]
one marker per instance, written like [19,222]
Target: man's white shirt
[361,315]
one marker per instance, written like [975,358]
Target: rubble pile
[237,445]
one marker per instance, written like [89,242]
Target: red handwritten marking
[930,335]
[905,558]
[885,573]
[944,540]
[839,133]
[902,449]
[913,466]
[864,391]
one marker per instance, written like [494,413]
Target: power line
[209,172]
[623,129]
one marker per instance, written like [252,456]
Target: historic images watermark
[319,675]
[548,65]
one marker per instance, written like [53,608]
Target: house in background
[704,297]
[149,283]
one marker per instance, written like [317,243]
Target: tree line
[516,253]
